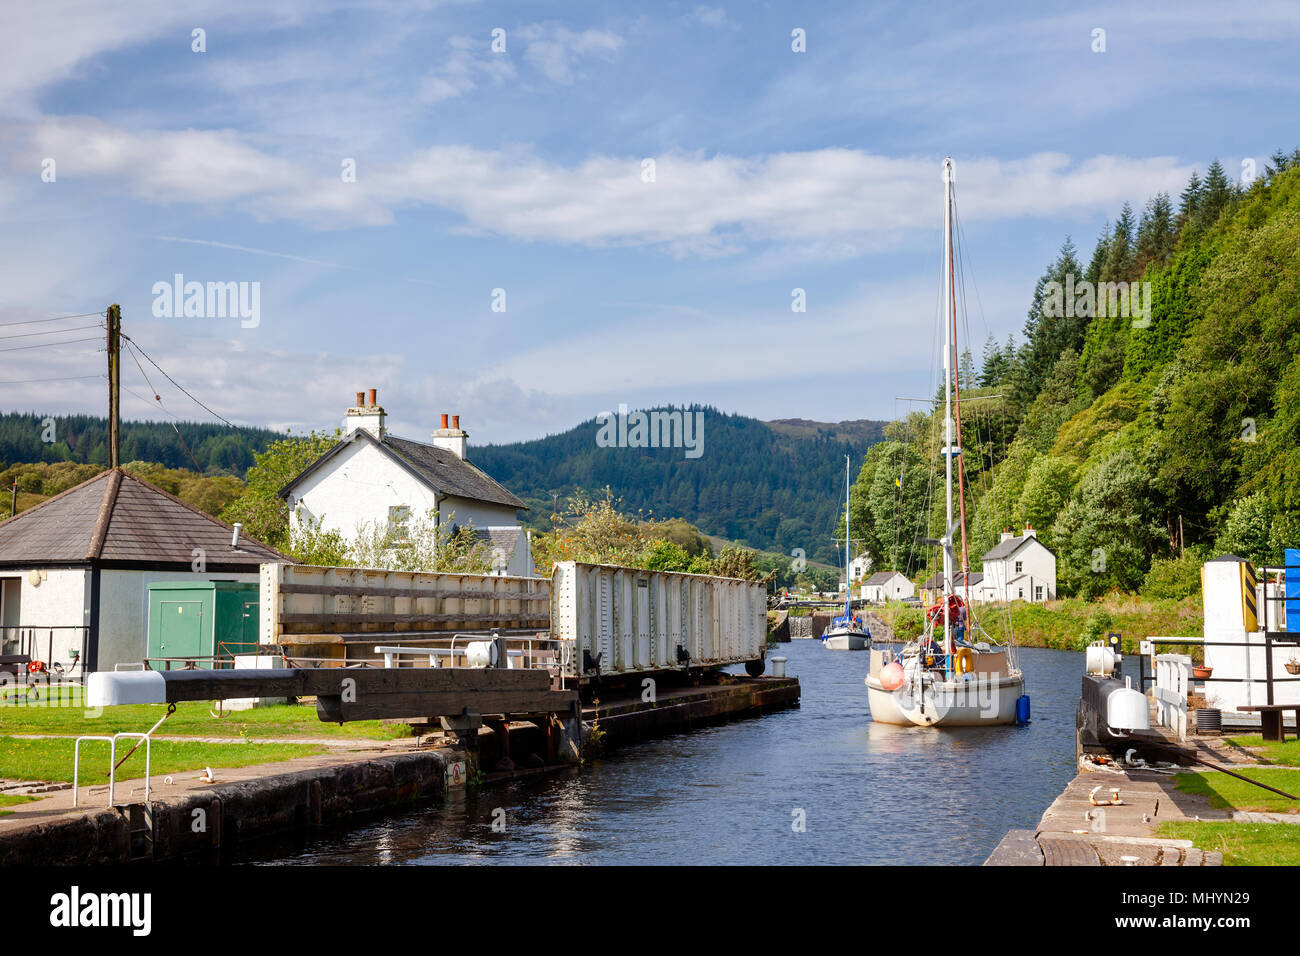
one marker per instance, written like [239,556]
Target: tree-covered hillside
[83,439]
[773,487]
[1130,437]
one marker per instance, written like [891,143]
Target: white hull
[980,701]
[846,641]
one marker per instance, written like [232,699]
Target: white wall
[357,487]
[124,610]
[1036,561]
[57,600]
[361,483]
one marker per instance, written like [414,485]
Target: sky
[526,214]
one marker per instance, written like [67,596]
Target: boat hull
[978,702]
[846,642]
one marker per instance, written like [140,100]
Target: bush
[1173,577]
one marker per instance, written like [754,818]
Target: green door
[181,634]
[250,627]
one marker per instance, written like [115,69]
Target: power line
[66,378]
[26,335]
[177,384]
[57,318]
[45,345]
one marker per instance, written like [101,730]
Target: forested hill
[83,439]
[1129,438]
[776,486]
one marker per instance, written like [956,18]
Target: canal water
[818,784]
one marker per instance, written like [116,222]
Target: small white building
[372,479]
[860,566]
[1018,569]
[887,586]
[75,569]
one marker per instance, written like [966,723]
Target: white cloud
[555,50]
[698,204]
[715,17]
[468,63]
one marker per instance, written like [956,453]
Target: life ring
[36,667]
[956,610]
[964,662]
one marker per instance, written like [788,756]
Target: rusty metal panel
[636,620]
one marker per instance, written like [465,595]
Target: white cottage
[887,586]
[859,566]
[373,479]
[1019,569]
[75,569]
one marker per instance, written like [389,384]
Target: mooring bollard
[778,667]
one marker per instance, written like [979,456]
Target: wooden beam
[365,591]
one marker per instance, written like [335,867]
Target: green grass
[1229,793]
[1242,844]
[50,758]
[1285,753]
[13,799]
[19,715]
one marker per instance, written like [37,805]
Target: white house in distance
[887,586]
[1018,569]
[75,569]
[859,566]
[374,479]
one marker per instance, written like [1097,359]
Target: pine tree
[1118,265]
[1093,274]
[1218,192]
[1189,202]
[1155,237]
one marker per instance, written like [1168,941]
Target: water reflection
[867,792]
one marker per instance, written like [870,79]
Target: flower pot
[1292,667]
[1201,672]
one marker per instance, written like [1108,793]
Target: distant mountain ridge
[772,485]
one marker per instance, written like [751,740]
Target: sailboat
[954,675]
[847,632]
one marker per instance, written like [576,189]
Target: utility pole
[13,505]
[114,384]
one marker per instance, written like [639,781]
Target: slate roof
[880,577]
[1004,549]
[935,581]
[436,467]
[118,520]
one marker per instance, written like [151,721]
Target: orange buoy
[891,676]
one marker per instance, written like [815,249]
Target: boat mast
[949,307]
[848,569]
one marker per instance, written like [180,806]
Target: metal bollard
[778,667]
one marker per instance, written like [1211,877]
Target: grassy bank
[1242,844]
[50,758]
[1228,793]
[22,715]
[1287,753]
[1071,623]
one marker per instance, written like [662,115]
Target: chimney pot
[444,419]
[373,401]
[361,399]
[455,421]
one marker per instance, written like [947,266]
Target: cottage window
[1022,592]
[1020,566]
[399,519]
[1038,592]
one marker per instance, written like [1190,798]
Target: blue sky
[522,170]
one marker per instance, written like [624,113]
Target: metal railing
[146,738]
[1173,684]
[25,639]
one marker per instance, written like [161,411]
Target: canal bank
[186,818]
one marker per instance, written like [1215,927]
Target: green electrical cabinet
[205,620]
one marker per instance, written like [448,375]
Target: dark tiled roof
[121,519]
[507,539]
[437,467]
[880,577]
[1004,549]
[449,474]
[935,581]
